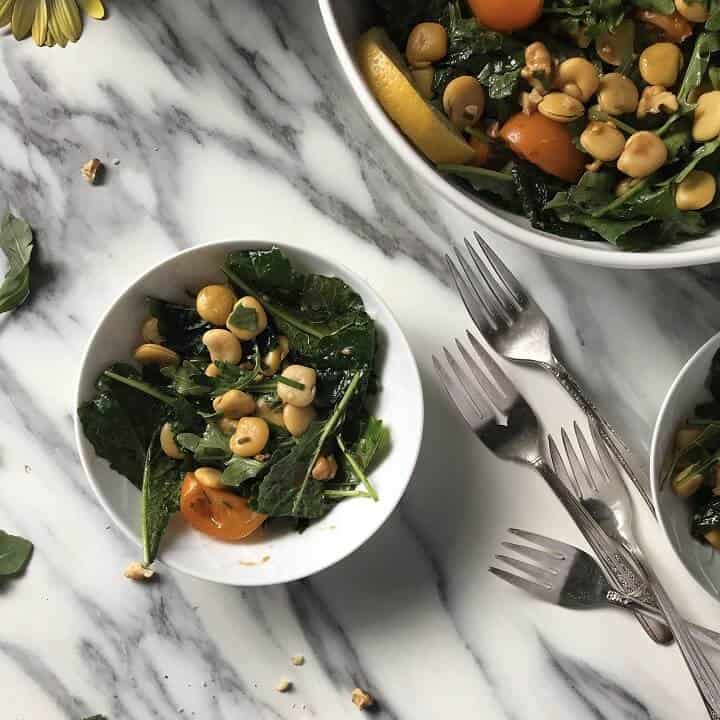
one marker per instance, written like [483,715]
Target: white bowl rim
[592,253]
[655,471]
[250,244]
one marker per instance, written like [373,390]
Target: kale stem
[146,496]
[329,427]
[347,493]
[359,472]
[141,386]
[274,309]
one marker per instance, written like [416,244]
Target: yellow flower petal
[22,18]
[6,11]
[40,24]
[68,17]
[94,8]
[54,24]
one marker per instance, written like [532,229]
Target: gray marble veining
[231,119]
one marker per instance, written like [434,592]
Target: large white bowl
[345,20]
[281,554]
[688,389]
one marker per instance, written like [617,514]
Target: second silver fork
[514,325]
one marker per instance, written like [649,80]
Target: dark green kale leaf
[162,479]
[239,470]
[16,242]
[483,180]
[323,318]
[180,326]
[120,422]
[244,318]
[15,552]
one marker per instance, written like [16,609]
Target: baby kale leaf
[15,553]
[16,242]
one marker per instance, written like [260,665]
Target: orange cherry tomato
[219,513]
[545,143]
[507,15]
[676,28]
[482,152]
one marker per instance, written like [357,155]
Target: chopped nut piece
[539,67]
[137,571]
[325,468]
[362,699]
[530,101]
[297,659]
[92,170]
[283,685]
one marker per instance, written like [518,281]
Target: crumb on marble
[297,659]
[137,571]
[284,685]
[362,699]
[92,171]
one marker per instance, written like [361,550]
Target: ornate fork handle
[709,637]
[622,569]
[616,446]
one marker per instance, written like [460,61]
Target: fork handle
[705,635]
[616,446]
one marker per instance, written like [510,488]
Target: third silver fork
[515,326]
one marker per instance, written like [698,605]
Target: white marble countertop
[231,120]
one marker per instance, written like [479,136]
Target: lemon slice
[386,73]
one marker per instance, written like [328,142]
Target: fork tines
[491,294]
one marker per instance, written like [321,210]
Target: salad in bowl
[245,405]
[598,121]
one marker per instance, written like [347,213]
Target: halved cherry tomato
[507,15]
[676,28]
[545,143]
[219,513]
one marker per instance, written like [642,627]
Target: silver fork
[565,575]
[506,424]
[514,325]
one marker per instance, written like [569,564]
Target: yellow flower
[51,22]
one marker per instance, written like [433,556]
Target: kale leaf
[323,318]
[15,553]
[162,479]
[16,242]
[212,448]
[180,326]
[120,422]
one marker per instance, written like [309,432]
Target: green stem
[141,386]
[145,499]
[329,427]
[359,472]
[274,309]
[597,114]
[347,493]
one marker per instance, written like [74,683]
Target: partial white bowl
[269,556]
[688,389]
[345,21]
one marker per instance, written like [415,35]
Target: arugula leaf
[180,326]
[15,553]
[239,470]
[162,479]
[374,438]
[212,448]
[120,422]
[189,379]
[16,242]
[705,45]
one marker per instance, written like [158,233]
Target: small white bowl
[275,555]
[674,513]
[345,21]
